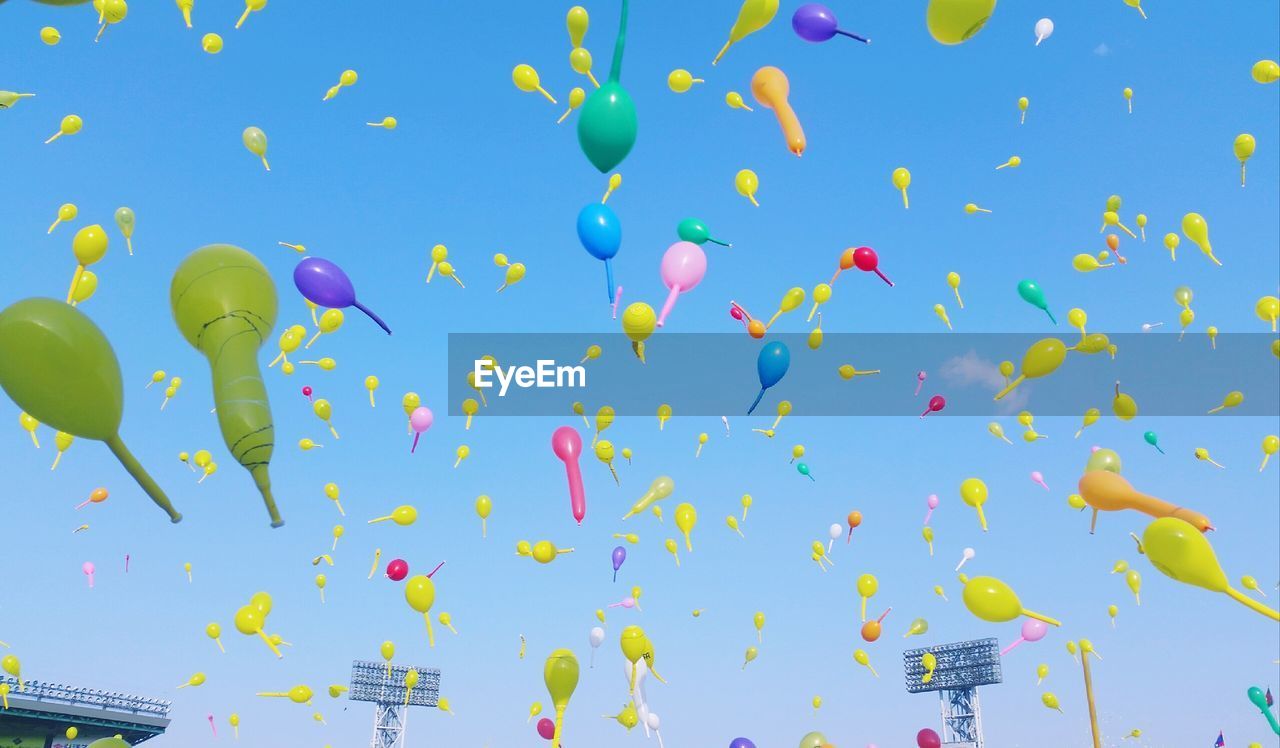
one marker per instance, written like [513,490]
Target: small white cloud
[971,369]
[1102,50]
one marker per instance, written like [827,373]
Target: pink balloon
[88,568]
[397,570]
[869,262]
[546,728]
[932,501]
[567,445]
[927,738]
[420,420]
[936,403]
[1033,630]
[683,266]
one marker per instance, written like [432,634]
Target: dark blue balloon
[741,743]
[599,230]
[771,365]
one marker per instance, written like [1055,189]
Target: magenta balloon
[567,445]
[683,266]
[927,738]
[869,262]
[1033,630]
[937,402]
[546,728]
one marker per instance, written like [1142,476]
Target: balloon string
[615,72]
[851,35]
[131,464]
[757,402]
[371,316]
[1249,602]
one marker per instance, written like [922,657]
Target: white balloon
[653,721]
[1044,29]
[597,637]
[835,531]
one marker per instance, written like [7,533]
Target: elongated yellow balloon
[752,16]
[1042,358]
[1197,230]
[1181,552]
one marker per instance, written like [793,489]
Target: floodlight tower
[961,668]
[384,686]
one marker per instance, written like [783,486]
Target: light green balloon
[1104,459]
[109,743]
[813,740]
[224,302]
[956,21]
[56,365]
[607,122]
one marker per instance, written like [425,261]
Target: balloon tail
[1010,387]
[415,442]
[717,241]
[884,277]
[1252,604]
[854,36]
[1011,647]
[982,518]
[615,72]
[263,481]
[369,313]
[757,402]
[274,649]
[1051,319]
[667,306]
[75,282]
[135,469]
[723,49]
[1040,617]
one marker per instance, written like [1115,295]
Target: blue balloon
[772,365]
[741,743]
[600,232]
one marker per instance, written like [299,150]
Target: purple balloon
[741,743]
[546,728]
[325,284]
[619,555]
[815,22]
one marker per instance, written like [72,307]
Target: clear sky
[483,168]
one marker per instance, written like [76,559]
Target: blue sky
[483,168]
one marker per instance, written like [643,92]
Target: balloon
[58,367]
[867,587]
[901,179]
[918,626]
[639,322]
[974,493]
[619,556]
[686,518]
[397,570]
[770,88]
[1243,147]
[420,420]
[1030,292]
[1233,399]
[746,182]
[992,600]
[752,16]
[607,124]
[1033,630]
[936,404]
[817,23]
[600,232]
[866,259]
[1044,30]
[683,266]
[813,740]
[1050,701]
[546,728]
[1180,552]
[927,738]
[255,140]
[1195,228]
[325,284]
[70,124]
[741,743]
[420,593]
[1041,359]
[567,445]
[771,366]
[659,489]
[956,21]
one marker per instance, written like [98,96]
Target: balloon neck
[757,402]
[615,72]
[670,303]
[862,39]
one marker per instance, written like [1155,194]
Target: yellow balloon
[746,182]
[1195,228]
[1042,358]
[752,16]
[956,21]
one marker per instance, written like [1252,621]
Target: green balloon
[693,230]
[58,366]
[813,740]
[1031,293]
[956,21]
[109,743]
[607,122]
[560,674]
[1104,459]
[224,302]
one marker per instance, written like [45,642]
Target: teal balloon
[803,469]
[1030,292]
[1151,439]
[607,122]
[693,230]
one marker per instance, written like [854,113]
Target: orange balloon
[755,328]
[1113,242]
[855,519]
[770,87]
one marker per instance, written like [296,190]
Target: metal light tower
[373,681]
[961,668]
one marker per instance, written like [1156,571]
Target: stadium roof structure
[40,706]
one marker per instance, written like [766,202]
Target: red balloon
[397,570]
[927,738]
[306,390]
[735,312]
[936,403]
[869,262]
[546,728]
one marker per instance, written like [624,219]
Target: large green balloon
[955,21]
[109,743]
[813,740]
[59,367]
[607,123]
[224,302]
